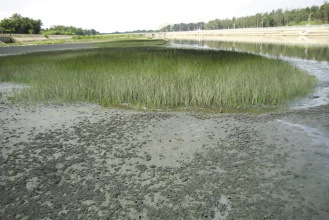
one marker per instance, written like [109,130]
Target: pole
[309,19]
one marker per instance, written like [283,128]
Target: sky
[127,15]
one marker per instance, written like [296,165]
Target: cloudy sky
[124,15]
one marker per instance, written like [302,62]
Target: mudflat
[85,161]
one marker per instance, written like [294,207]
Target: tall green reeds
[156,77]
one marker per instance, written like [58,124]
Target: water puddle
[8,89]
[319,69]
[313,133]
[222,211]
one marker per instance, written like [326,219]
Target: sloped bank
[32,37]
[6,40]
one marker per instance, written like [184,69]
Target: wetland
[65,153]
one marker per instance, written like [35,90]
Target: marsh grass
[143,74]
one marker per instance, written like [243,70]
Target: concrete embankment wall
[33,37]
[304,34]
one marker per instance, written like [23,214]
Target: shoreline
[318,35]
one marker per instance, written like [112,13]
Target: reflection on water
[313,59]
[309,52]
[319,69]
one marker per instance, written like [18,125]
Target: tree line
[17,24]
[276,18]
[20,25]
[68,30]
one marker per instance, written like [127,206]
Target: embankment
[33,37]
[291,35]
[6,39]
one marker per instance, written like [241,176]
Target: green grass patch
[143,74]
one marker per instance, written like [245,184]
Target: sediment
[85,161]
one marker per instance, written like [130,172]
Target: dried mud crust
[83,161]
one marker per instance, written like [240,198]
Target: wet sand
[85,161]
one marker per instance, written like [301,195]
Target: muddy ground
[88,162]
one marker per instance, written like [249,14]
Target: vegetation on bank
[68,30]
[141,73]
[310,15]
[79,39]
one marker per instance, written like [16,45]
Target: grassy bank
[143,74]
[78,39]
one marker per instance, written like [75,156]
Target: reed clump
[156,77]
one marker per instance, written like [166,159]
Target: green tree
[276,18]
[20,25]
[325,12]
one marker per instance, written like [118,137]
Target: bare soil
[85,161]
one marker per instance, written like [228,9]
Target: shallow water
[307,51]
[319,69]
[313,59]
[315,134]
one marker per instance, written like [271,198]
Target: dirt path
[84,161]
[5,51]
